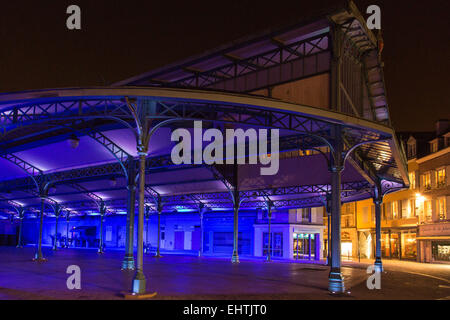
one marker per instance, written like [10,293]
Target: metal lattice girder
[223,199]
[239,67]
[50,201]
[287,143]
[219,176]
[62,109]
[31,170]
[120,154]
[201,110]
[81,174]
[90,174]
[35,173]
[155,196]
[97,200]
[167,109]
[305,189]
[209,111]
[196,200]
[288,203]
[86,192]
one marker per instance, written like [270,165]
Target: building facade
[294,234]
[415,223]
[434,214]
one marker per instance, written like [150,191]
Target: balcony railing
[441,184]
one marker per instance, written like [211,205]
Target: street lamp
[74,141]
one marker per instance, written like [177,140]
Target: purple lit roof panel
[10,170]
[60,155]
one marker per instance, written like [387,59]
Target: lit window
[426,180]
[411,150]
[406,210]
[440,204]
[412,208]
[434,147]
[394,209]
[428,211]
[440,177]
[412,180]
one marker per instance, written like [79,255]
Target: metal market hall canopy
[101,151]
[77,147]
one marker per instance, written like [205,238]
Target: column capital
[335,168]
[131,187]
[142,150]
[377,201]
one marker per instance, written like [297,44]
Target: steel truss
[223,199]
[311,133]
[242,68]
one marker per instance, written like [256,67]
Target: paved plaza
[189,277]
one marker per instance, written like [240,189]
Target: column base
[39,258]
[336,282]
[139,284]
[135,296]
[100,251]
[19,246]
[378,265]
[235,258]
[268,259]
[128,263]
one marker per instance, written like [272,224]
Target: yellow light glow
[420,197]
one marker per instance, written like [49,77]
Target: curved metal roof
[216,88]
[41,122]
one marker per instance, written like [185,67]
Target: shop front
[304,246]
[399,244]
[434,242]
[289,241]
[441,251]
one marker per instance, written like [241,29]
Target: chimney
[442,126]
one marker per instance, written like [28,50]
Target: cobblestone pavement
[190,277]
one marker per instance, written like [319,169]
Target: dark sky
[122,38]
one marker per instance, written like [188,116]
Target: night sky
[122,38]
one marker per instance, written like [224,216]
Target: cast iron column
[139,281]
[38,255]
[57,213]
[146,220]
[235,257]
[269,215]
[67,229]
[158,246]
[128,261]
[200,251]
[328,210]
[102,214]
[335,279]
[378,200]
[21,217]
